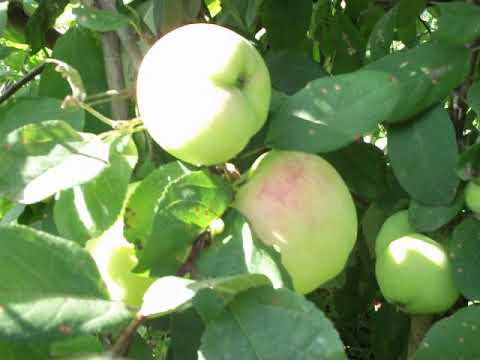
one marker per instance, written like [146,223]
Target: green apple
[299,204]
[414,273]
[472,196]
[115,258]
[203,91]
[394,227]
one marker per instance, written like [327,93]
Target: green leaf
[423,154]
[389,329]
[170,293]
[214,7]
[27,110]
[240,14]
[100,20]
[340,41]
[3,16]
[474,97]
[85,344]
[170,14]
[367,20]
[87,210]
[5,51]
[291,70]
[237,250]
[458,22]
[425,75]
[186,330]
[363,167]
[42,158]
[382,36]
[168,210]
[38,265]
[51,288]
[209,304]
[468,163]
[332,112]
[286,22]
[41,21]
[250,322]
[455,337]
[15,351]
[406,20]
[67,48]
[73,78]
[426,218]
[464,251]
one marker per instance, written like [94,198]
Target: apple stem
[120,346]
[419,326]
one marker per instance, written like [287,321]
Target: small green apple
[299,204]
[203,91]
[115,258]
[394,227]
[472,196]
[414,273]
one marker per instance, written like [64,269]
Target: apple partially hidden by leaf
[115,258]
[203,91]
[298,203]
[414,273]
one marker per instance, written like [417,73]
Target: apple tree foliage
[387,91]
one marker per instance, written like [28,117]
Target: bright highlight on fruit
[414,273]
[393,228]
[203,91]
[298,203]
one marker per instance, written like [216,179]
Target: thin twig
[18,85]
[98,115]
[121,345]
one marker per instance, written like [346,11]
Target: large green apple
[394,227]
[298,203]
[472,196]
[115,258]
[203,91]
[414,273]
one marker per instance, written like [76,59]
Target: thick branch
[126,35]
[114,72]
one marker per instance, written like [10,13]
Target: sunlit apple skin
[298,203]
[414,273]
[394,227]
[472,196]
[203,91]
[115,258]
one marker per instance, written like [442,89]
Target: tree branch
[126,35]
[24,80]
[420,324]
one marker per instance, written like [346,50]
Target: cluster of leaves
[387,91]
